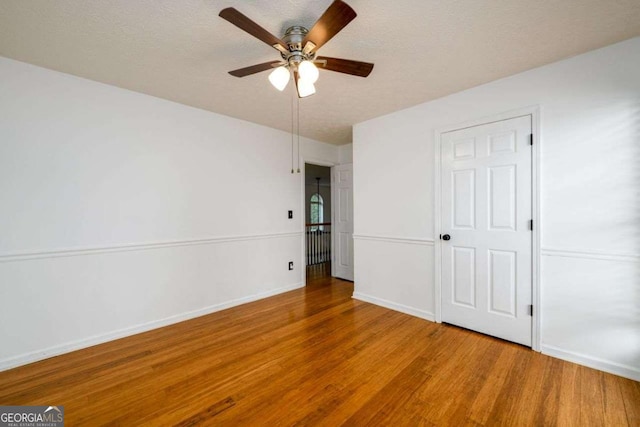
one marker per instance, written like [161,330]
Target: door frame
[534,112]
[303,211]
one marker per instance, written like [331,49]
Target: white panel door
[486,212]
[342,186]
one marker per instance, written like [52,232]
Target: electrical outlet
[290,214]
[290,265]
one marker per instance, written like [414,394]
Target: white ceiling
[422,49]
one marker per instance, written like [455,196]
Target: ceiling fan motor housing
[294,37]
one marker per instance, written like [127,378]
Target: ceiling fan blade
[246,24]
[334,19]
[247,71]
[347,66]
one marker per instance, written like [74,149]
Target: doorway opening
[317,221]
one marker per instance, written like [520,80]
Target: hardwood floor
[314,356]
[318,272]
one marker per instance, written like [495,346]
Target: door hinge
[530,139]
[530,309]
[531,224]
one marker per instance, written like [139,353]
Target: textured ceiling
[423,49]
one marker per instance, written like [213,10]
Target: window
[316,211]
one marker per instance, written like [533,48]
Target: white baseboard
[57,350]
[592,362]
[395,306]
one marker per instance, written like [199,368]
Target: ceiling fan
[298,49]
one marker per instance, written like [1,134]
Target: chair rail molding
[395,239]
[591,254]
[127,247]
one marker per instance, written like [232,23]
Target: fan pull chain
[298,134]
[292,96]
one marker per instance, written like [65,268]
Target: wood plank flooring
[315,356]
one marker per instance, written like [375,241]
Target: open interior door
[342,187]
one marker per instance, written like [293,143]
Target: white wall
[590,178]
[345,153]
[121,212]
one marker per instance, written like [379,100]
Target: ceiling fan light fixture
[279,78]
[305,88]
[308,71]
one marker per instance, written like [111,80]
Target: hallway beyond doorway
[318,272]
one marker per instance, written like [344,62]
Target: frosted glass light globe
[308,71]
[305,88]
[279,78]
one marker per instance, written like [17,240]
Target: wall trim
[423,314]
[57,350]
[68,252]
[589,254]
[592,362]
[394,239]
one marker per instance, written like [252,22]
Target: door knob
[445,237]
